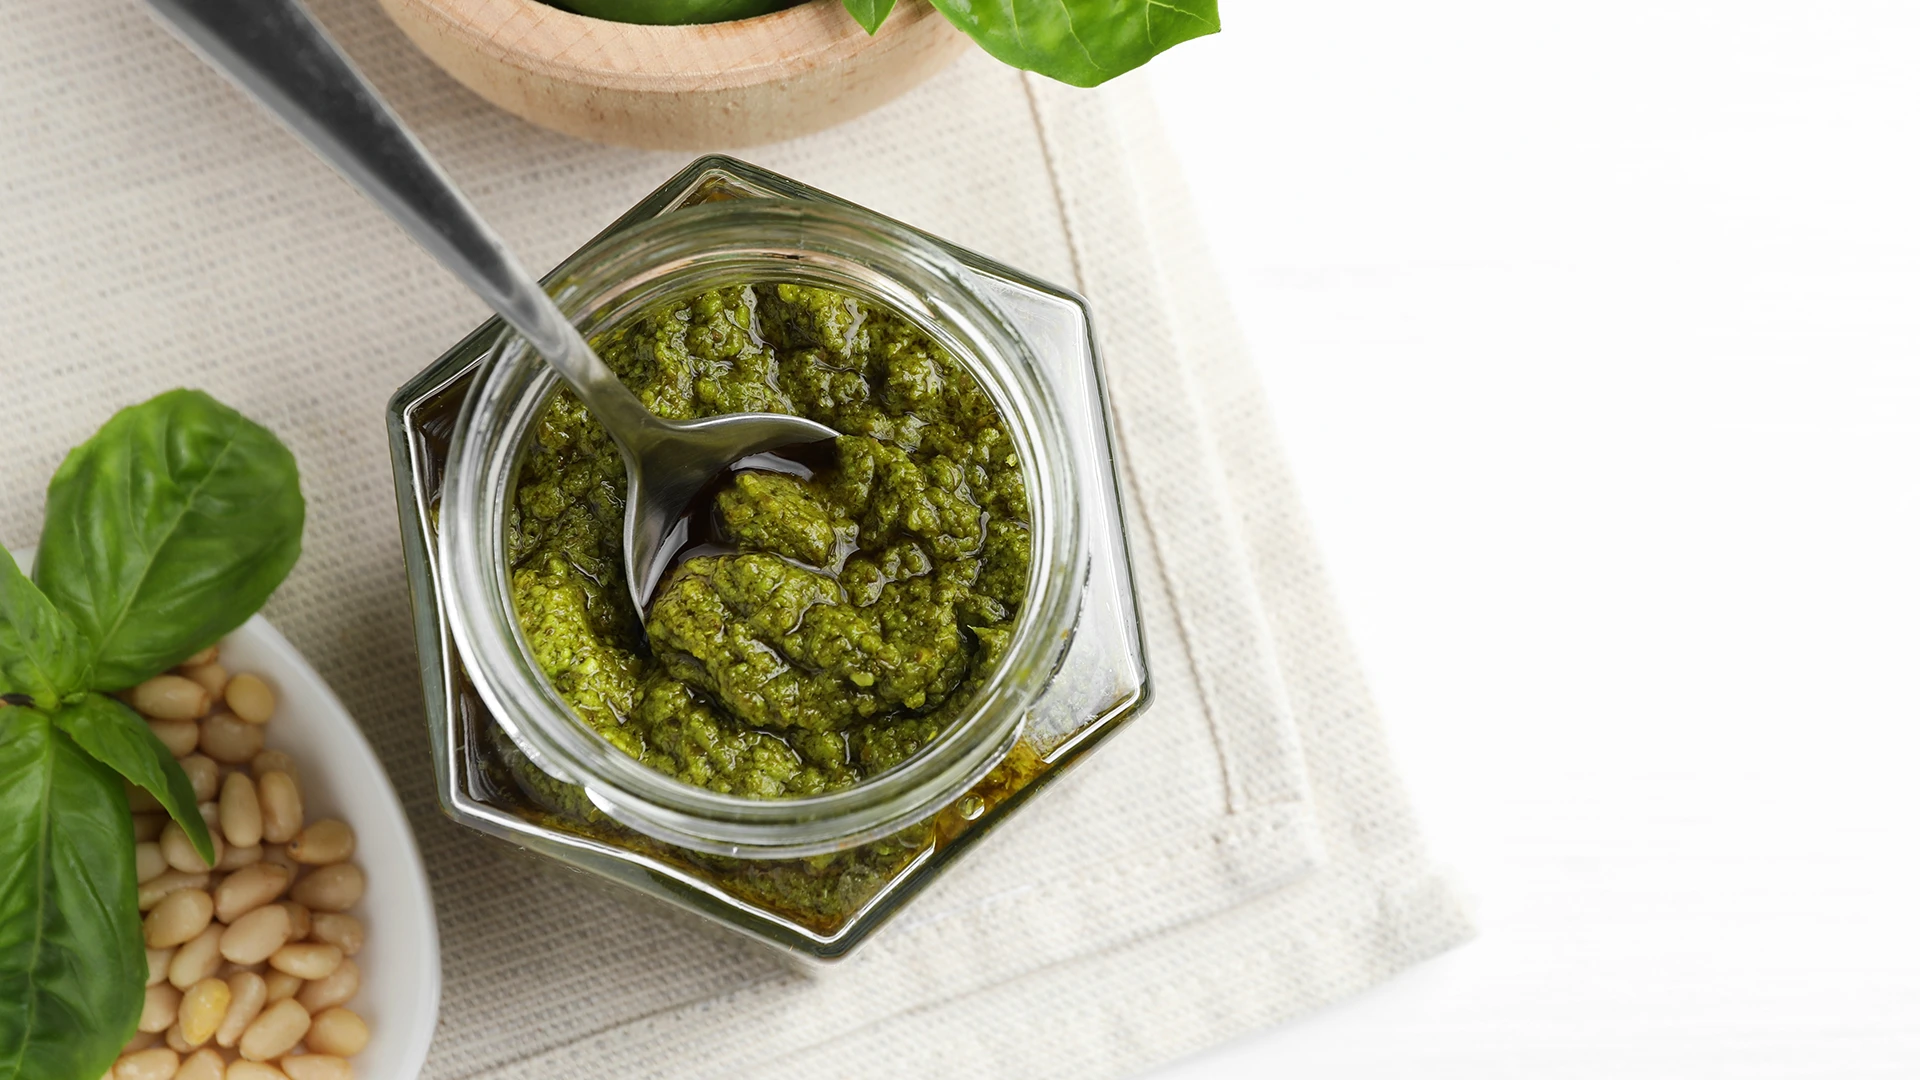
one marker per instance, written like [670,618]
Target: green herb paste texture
[849,616]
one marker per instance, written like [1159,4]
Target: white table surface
[1593,331]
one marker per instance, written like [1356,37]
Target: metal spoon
[275,51]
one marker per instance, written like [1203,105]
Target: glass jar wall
[811,875]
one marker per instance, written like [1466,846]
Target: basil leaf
[72,961]
[1081,42]
[166,530]
[869,13]
[116,737]
[41,654]
[674,12]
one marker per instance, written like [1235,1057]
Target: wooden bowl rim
[743,52]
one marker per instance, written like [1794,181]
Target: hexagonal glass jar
[817,900]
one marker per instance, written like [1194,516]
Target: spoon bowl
[669,472]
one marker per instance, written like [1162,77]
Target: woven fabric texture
[1240,853]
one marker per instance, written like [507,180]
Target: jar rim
[674,255]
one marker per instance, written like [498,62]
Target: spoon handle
[276,51]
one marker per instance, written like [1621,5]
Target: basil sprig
[164,531]
[1081,42]
[40,651]
[869,13]
[72,960]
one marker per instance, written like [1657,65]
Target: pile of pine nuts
[250,960]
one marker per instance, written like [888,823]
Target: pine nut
[328,840]
[250,698]
[274,1032]
[308,960]
[204,772]
[256,935]
[168,883]
[158,960]
[276,854]
[281,986]
[271,978]
[267,761]
[158,1063]
[148,861]
[249,997]
[202,1009]
[238,858]
[140,1041]
[331,888]
[228,739]
[299,920]
[171,697]
[203,1064]
[316,1067]
[342,930]
[210,675]
[179,850]
[161,1007]
[240,810]
[205,656]
[179,736]
[248,888]
[339,1032]
[179,918]
[281,813]
[177,1042]
[336,989]
[196,960]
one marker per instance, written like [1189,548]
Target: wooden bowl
[680,87]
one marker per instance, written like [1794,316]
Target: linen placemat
[1239,853]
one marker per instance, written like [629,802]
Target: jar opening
[690,251]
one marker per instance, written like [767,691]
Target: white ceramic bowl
[341,778]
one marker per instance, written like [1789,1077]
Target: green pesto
[849,616]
